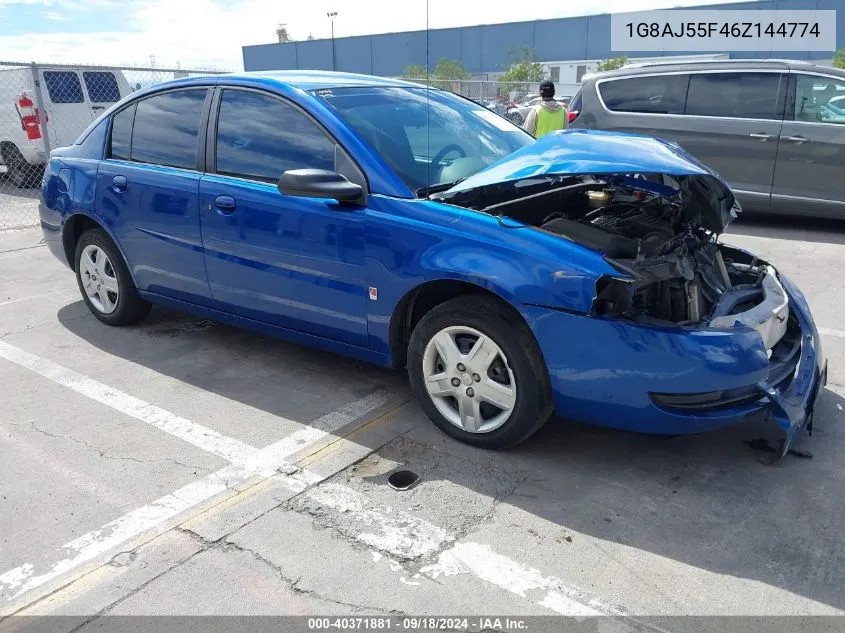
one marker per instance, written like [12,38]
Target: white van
[72,97]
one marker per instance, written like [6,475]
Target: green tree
[839,58]
[525,68]
[450,70]
[415,71]
[612,64]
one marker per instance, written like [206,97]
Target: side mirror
[319,183]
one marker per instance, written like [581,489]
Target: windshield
[428,137]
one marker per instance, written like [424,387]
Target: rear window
[660,94]
[121,133]
[63,86]
[741,95]
[166,129]
[101,87]
[575,104]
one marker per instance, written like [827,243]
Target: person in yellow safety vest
[548,115]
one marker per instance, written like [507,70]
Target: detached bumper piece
[782,363]
[788,394]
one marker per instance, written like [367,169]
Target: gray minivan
[774,129]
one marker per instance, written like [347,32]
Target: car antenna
[427,103]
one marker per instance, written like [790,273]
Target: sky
[209,34]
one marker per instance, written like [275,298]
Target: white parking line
[228,448]
[29,576]
[828,332]
[54,293]
[202,437]
[267,462]
[399,534]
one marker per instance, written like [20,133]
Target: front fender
[413,242]
[517,278]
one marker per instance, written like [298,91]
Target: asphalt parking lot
[18,206]
[185,467]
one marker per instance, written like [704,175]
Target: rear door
[68,111]
[811,155]
[148,190]
[102,89]
[735,121]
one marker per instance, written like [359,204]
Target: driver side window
[259,137]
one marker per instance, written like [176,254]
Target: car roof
[302,79]
[657,67]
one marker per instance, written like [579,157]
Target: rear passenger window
[63,86]
[745,95]
[166,129]
[101,87]
[121,133]
[259,137]
[659,94]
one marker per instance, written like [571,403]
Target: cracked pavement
[578,520]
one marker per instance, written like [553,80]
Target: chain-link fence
[508,98]
[44,106]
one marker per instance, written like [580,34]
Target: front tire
[104,281]
[478,372]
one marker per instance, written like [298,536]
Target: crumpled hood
[707,198]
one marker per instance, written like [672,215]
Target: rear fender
[69,237]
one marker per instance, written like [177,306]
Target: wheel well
[7,148]
[414,305]
[75,226]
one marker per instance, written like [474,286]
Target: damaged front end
[659,228]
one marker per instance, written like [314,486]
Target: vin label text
[723,31]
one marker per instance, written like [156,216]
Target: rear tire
[104,281]
[478,372]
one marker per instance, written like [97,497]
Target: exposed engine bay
[671,268]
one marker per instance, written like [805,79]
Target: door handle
[225,204]
[98,107]
[794,139]
[119,182]
[761,136]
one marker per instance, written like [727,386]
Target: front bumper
[607,371]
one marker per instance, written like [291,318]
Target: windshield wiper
[423,192]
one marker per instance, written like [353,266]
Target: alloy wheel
[468,379]
[99,279]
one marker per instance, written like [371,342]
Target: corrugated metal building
[484,49]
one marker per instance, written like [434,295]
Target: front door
[811,156]
[289,261]
[738,119]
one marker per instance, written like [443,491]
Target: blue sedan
[581,274]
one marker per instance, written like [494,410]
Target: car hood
[707,199]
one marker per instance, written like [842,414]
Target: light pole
[332,15]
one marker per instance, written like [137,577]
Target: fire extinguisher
[29,115]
